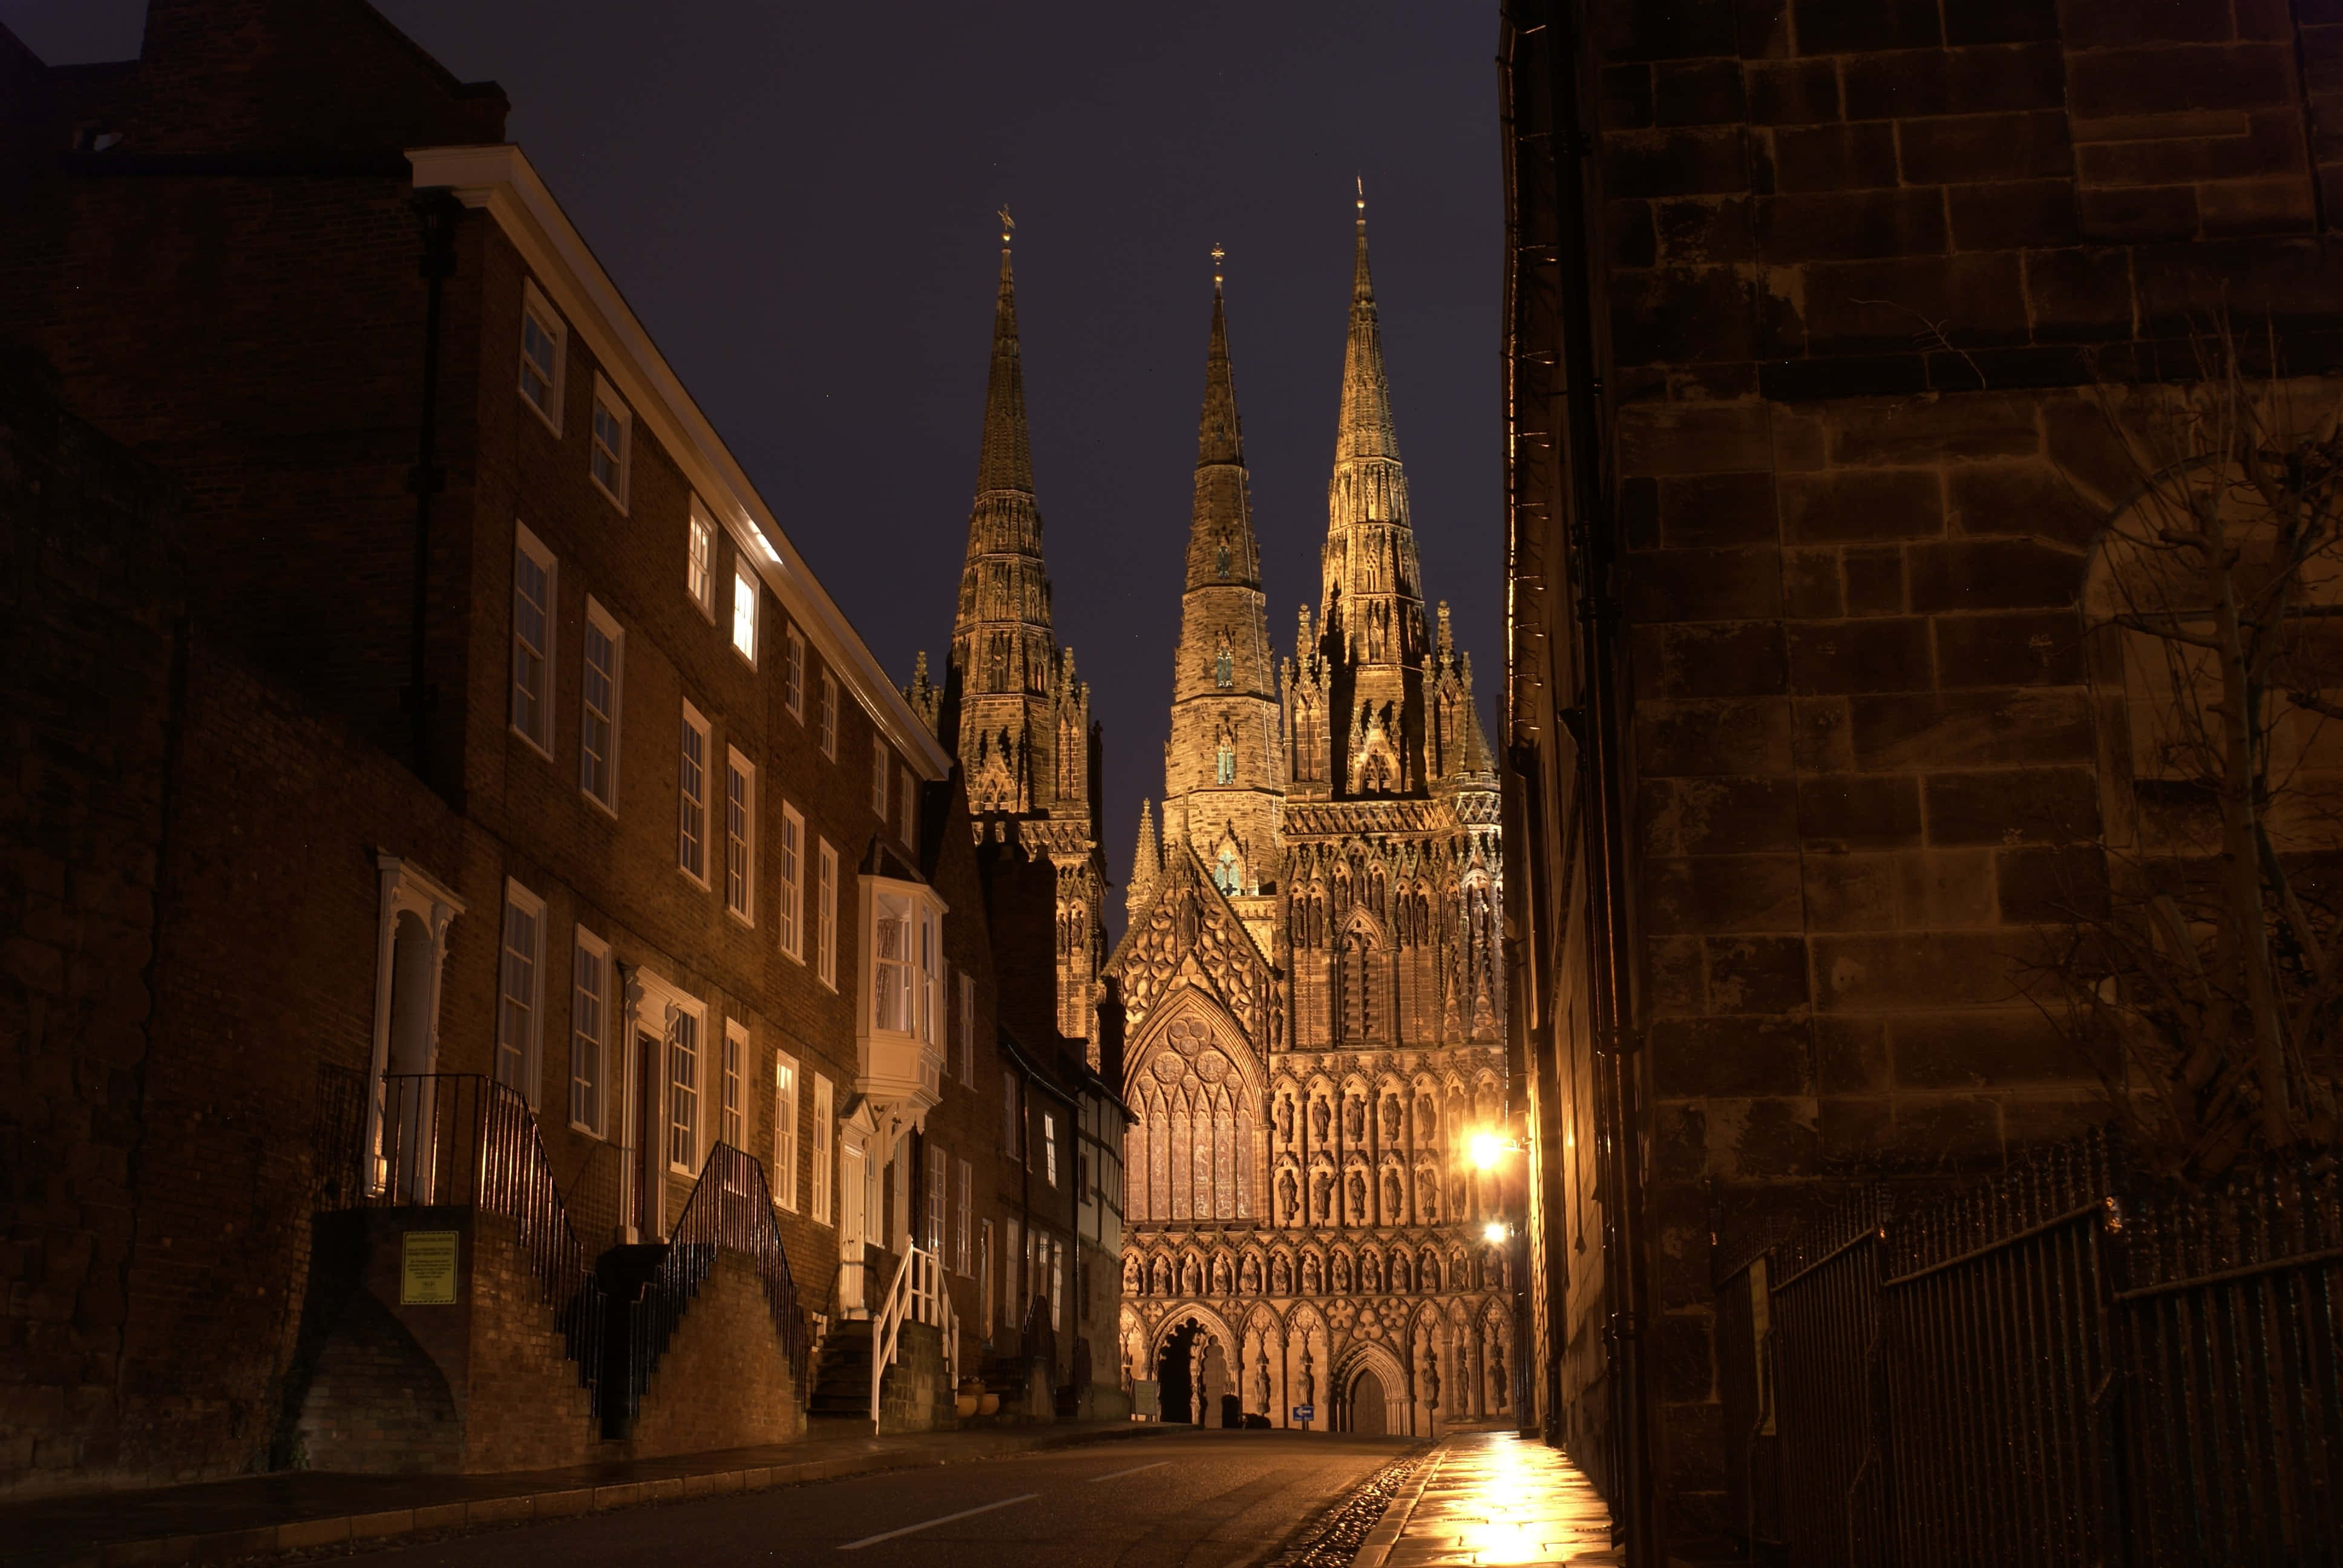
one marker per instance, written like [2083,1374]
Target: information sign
[427,1269]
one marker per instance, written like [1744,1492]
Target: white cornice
[499,179]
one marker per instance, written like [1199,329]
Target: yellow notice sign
[427,1269]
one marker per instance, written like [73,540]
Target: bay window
[903,1013]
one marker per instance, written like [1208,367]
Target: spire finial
[1362,180]
[1007,225]
[1217,253]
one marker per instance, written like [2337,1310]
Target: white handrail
[917,1293]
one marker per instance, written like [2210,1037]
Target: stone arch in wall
[1370,1392]
[1200,1091]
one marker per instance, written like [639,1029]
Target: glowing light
[1486,1147]
[1494,1232]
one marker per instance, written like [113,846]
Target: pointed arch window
[1224,763]
[1225,875]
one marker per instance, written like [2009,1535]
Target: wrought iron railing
[2068,1364]
[732,1209]
[462,1140]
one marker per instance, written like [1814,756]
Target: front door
[1370,1412]
[853,1221]
[648,1051]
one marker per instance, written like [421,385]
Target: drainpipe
[1616,1036]
[437,211]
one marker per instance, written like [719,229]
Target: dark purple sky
[799,200]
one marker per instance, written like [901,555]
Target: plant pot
[965,1405]
[989,1404]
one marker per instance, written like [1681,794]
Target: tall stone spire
[1370,609]
[1012,707]
[1223,770]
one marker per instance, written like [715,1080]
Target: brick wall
[724,1382]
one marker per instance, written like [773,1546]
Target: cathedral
[1311,977]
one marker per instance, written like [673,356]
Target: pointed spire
[1146,863]
[1007,463]
[1366,428]
[1220,437]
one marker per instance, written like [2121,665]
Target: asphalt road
[1209,1500]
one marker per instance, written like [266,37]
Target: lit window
[1224,764]
[699,561]
[878,776]
[909,807]
[532,633]
[826,916]
[1050,1147]
[598,728]
[784,1173]
[792,915]
[744,612]
[613,429]
[830,716]
[793,673]
[739,835]
[962,1213]
[968,1030]
[691,796]
[589,1011]
[519,993]
[824,1157]
[937,1171]
[544,348]
[736,1046]
[683,1094]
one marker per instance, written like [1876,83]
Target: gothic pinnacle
[1007,463]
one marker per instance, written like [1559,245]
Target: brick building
[1816,315]
[495,966]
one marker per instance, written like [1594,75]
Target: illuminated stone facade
[1311,976]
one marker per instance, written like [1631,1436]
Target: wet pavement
[1497,1499]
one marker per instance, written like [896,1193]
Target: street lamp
[1496,1232]
[1488,1148]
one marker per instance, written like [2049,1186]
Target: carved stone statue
[1220,1276]
[1285,1119]
[1395,1200]
[1287,1197]
[1370,1273]
[1281,1277]
[1322,1197]
[1341,1268]
[1427,1197]
[1313,1277]
[1249,1276]
[1356,1189]
[1320,1118]
[1392,1119]
[1354,1118]
[1261,1381]
[1308,1386]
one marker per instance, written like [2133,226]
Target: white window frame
[793,666]
[599,620]
[693,1012]
[699,560]
[525,1054]
[881,762]
[739,837]
[533,303]
[826,916]
[590,1001]
[908,808]
[607,399]
[788,916]
[829,715]
[783,1177]
[938,1196]
[825,1146]
[528,547]
[745,601]
[984,1271]
[962,1213]
[694,724]
[1049,1146]
[732,1110]
[968,1029]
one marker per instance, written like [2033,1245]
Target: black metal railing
[2068,1364]
[730,1208]
[463,1141]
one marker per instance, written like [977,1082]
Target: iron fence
[463,1141]
[730,1207]
[2069,1364]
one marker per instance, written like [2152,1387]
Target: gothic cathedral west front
[1311,977]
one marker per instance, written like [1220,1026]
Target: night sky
[798,202]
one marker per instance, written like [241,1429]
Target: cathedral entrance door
[1369,1414]
[1173,1373]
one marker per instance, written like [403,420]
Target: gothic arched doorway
[1173,1375]
[1369,1408]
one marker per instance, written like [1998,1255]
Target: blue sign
[1304,1411]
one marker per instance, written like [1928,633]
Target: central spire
[1007,460]
[1365,425]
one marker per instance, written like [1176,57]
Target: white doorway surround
[410,962]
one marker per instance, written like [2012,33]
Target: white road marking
[1134,1470]
[932,1524]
